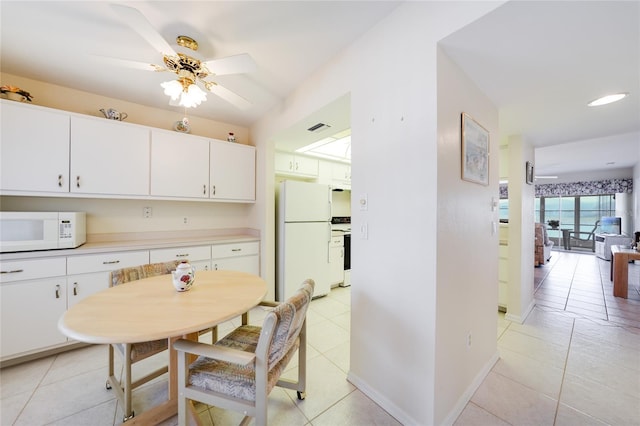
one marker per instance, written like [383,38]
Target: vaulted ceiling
[539,62]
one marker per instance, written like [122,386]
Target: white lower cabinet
[35,293]
[32,299]
[198,256]
[89,274]
[243,257]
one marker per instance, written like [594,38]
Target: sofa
[543,245]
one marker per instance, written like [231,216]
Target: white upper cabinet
[232,171]
[341,172]
[45,151]
[287,163]
[109,157]
[179,165]
[34,149]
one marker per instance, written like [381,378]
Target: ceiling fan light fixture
[172,88]
[192,97]
[186,90]
[608,99]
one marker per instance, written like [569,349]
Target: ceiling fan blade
[129,64]
[229,96]
[139,23]
[236,64]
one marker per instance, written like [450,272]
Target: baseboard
[520,318]
[391,408]
[405,419]
[468,394]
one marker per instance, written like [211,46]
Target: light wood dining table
[151,309]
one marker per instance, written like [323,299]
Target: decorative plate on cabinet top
[182,127]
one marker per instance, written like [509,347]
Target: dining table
[151,309]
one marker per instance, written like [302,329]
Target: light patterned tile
[326,385]
[568,416]
[598,401]
[513,402]
[530,372]
[355,409]
[472,415]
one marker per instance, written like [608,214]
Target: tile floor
[568,364]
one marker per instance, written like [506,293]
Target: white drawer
[233,250]
[20,270]
[192,254]
[105,261]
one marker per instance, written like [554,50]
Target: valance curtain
[597,187]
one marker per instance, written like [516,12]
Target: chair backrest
[124,275]
[290,315]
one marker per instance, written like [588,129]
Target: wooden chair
[238,372]
[131,353]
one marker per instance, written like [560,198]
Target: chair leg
[182,382]
[302,362]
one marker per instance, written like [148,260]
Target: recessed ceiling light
[608,99]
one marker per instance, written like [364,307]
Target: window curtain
[596,187]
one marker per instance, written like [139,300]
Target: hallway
[579,283]
[574,361]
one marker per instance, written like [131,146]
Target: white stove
[341,225]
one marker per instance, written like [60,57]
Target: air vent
[318,127]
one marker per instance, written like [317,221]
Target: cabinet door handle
[215,266]
[57,291]
[236,249]
[77,181]
[204,189]
[75,289]
[15,271]
[60,181]
[296,166]
[182,255]
[290,165]
[110,262]
[213,189]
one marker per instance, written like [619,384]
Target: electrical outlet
[147,212]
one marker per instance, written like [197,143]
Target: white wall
[467,249]
[636,195]
[391,73]
[521,231]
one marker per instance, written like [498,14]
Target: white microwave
[27,231]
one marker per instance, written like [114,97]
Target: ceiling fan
[189,70]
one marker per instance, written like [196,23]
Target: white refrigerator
[304,234]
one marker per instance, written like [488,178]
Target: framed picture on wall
[529,173]
[475,151]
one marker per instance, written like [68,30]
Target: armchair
[134,352]
[543,245]
[239,371]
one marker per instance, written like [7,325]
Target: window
[578,214]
